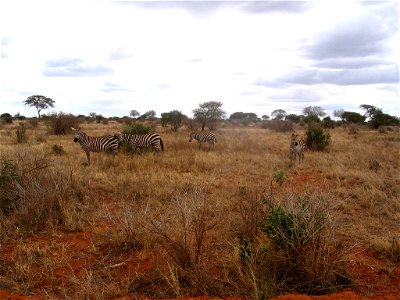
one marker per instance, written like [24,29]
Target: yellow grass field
[186,222]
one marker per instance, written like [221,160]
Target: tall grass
[199,213]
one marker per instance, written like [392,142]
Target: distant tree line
[209,114]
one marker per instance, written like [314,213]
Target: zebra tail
[162,144]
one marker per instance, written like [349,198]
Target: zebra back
[143,140]
[202,137]
[95,144]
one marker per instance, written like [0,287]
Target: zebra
[142,141]
[95,144]
[203,137]
[297,147]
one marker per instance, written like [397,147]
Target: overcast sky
[111,57]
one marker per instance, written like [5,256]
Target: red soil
[373,277]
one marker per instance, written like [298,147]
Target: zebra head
[121,137]
[76,133]
[293,141]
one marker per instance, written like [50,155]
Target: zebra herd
[135,141]
[153,140]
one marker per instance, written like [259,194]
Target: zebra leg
[88,156]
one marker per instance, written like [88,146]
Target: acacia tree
[40,102]
[134,113]
[278,114]
[338,113]
[208,113]
[148,115]
[377,117]
[314,111]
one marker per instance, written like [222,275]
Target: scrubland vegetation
[236,220]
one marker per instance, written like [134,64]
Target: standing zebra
[143,141]
[297,147]
[95,144]
[203,137]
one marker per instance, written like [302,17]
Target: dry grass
[184,209]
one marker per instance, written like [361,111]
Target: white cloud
[112,57]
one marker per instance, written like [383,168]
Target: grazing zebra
[297,147]
[143,141]
[95,144]
[203,137]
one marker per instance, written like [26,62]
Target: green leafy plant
[317,138]
[136,128]
[279,177]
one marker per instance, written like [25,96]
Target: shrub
[278,125]
[182,230]
[6,118]
[36,194]
[61,123]
[317,138]
[57,150]
[33,122]
[374,165]
[8,176]
[353,129]
[136,128]
[298,251]
[21,134]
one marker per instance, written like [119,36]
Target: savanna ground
[186,223]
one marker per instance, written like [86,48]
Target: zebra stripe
[203,137]
[95,144]
[143,141]
[297,147]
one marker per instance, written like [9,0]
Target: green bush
[301,250]
[296,249]
[6,118]
[136,128]
[316,138]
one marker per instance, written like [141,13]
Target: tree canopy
[377,117]
[173,118]
[278,114]
[208,113]
[40,102]
[352,117]
[314,111]
[243,116]
[134,113]
[151,114]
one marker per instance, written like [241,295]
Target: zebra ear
[73,129]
